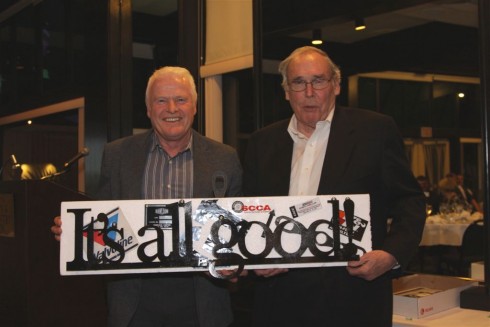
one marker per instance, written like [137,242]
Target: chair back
[473,244]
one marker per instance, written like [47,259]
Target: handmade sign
[143,236]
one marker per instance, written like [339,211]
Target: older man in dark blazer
[169,161]
[123,173]
[327,149]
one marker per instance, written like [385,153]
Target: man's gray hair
[175,71]
[283,66]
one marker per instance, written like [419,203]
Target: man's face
[171,108]
[423,184]
[311,106]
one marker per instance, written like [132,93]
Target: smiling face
[310,105]
[171,108]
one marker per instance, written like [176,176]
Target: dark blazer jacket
[365,154]
[122,170]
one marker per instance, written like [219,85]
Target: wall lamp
[359,24]
[317,37]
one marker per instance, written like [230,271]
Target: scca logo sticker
[239,207]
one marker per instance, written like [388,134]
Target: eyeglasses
[317,84]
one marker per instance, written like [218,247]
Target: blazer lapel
[201,168]
[282,164]
[275,154]
[340,146]
[135,161]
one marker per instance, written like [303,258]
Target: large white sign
[143,236]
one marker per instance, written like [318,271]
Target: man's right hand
[56,228]
[270,272]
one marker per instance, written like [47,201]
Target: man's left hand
[371,265]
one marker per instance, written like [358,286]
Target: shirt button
[168,185]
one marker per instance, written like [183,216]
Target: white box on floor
[417,296]
[478,271]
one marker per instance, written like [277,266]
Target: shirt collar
[155,145]
[293,125]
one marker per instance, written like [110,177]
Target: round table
[447,230]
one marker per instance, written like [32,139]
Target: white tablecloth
[455,317]
[447,230]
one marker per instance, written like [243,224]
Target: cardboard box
[477,271]
[418,296]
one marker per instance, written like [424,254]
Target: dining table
[443,234]
[447,229]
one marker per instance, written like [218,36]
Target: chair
[472,250]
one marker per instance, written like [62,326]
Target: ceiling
[463,13]
[340,28]
[411,35]
[155,7]
[381,16]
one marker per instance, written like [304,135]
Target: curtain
[229,36]
[429,158]
[229,47]
[436,155]
[213,104]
